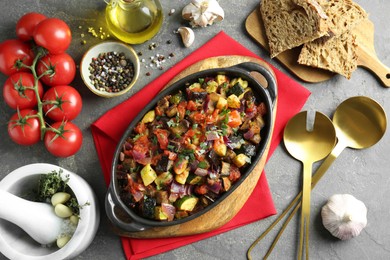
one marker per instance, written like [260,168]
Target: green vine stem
[39,54]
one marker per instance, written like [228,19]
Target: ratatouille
[190,149]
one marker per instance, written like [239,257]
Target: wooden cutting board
[231,205]
[366,52]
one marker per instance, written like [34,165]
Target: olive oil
[134,21]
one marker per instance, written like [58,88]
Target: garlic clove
[344,216]
[187,35]
[201,13]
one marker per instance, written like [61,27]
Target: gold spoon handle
[305,214]
[340,146]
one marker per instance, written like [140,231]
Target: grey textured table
[365,174]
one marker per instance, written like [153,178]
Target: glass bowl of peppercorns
[110,68]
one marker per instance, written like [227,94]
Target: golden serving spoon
[360,122]
[308,146]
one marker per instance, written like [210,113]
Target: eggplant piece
[161,197]
[214,160]
[181,128]
[249,96]
[225,169]
[174,145]
[198,95]
[163,121]
[248,149]
[235,141]
[226,183]
[237,90]
[163,104]
[148,207]
[230,154]
[171,111]
[162,164]
[128,164]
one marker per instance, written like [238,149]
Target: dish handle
[271,88]
[115,220]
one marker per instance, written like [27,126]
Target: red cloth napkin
[108,130]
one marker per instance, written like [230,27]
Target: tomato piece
[24,128]
[171,155]
[65,143]
[53,34]
[262,109]
[213,118]
[181,109]
[234,119]
[26,25]
[142,144]
[201,189]
[18,92]
[140,128]
[58,69]
[234,173]
[62,103]
[191,105]
[13,53]
[198,117]
[190,133]
[162,137]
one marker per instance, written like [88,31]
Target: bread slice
[290,23]
[343,15]
[336,53]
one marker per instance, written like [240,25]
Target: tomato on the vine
[62,103]
[18,91]
[24,128]
[14,53]
[65,143]
[26,25]
[59,69]
[53,34]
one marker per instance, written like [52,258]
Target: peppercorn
[111,71]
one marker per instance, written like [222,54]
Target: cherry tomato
[61,69]
[24,129]
[53,34]
[26,25]
[18,92]
[65,144]
[62,103]
[13,52]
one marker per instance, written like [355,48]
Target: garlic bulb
[344,216]
[201,13]
[187,35]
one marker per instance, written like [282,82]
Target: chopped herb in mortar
[51,183]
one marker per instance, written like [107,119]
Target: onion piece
[212,135]
[215,187]
[249,134]
[169,210]
[201,172]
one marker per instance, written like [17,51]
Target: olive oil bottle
[134,21]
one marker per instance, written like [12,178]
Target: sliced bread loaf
[337,54]
[343,15]
[290,23]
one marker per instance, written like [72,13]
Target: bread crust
[337,53]
[290,23]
